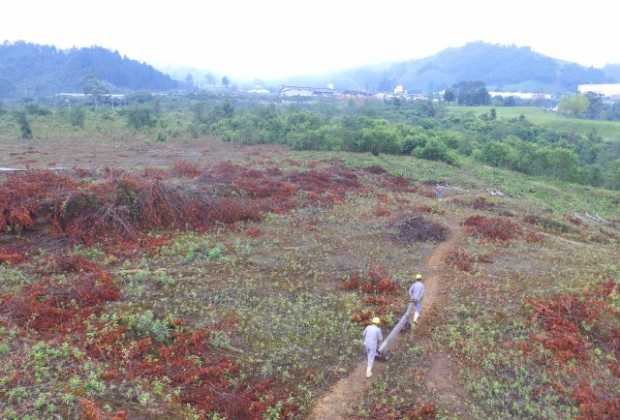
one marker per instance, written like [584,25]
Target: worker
[416,294]
[372,338]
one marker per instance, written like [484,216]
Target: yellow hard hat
[418,276]
[376,320]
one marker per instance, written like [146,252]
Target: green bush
[436,150]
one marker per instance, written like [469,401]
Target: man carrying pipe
[416,294]
[372,338]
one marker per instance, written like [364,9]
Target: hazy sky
[270,38]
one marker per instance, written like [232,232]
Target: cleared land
[256,311]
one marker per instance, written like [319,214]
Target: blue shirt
[416,291]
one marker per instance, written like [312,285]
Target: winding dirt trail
[342,398]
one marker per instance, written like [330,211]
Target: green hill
[499,66]
[38,70]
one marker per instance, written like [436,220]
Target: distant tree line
[31,70]
[515,144]
[591,105]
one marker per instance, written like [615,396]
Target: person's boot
[368,372]
[416,316]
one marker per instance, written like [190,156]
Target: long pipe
[385,346]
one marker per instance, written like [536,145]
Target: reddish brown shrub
[494,229]
[563,317]
[89,410]
[253,232]
[461,259]
[45,306]
[186,169]
[534,237]
[11,258]
[594,404]
[423,209]
[485,258]
[382,212]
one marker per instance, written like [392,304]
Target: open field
[229,281]
[609,130]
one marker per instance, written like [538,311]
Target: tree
[613,175]
[24,125]
[472,93]
[140,117]
[597,110]
[225,81]
[575,105]
[95,87]
[7,89]
[497,154]
[209,79]
[449,95]
[189,81]
[77,117]
[435,150]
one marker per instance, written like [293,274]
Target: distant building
[353,94]
[89,95]
[610,90]
[303,91]
[417,97]
[521,95]
[259,91]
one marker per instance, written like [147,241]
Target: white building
[520,95]
[302,91]
[399,90]
[610,90]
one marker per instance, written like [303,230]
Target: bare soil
[347,393]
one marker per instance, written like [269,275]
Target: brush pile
[121,207]
[418,229]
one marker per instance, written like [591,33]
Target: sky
[271,39]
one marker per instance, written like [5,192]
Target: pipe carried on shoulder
[385,346]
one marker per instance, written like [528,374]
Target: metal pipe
[385,345]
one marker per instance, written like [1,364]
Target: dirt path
[342,398]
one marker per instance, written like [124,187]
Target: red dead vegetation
[419,229]
[492,228]
[564,317]
[424,209]
[122,207]
[534,237]
[90,411]
[595,403]
[11,256]
[424,411]
[48,306]
[203,376]
[379,290]
[461,260]
[393,183]
[572,324]
[186,169]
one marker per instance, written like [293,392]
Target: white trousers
[371,353]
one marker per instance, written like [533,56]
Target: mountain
[499,66]
[613,72]
[38,70]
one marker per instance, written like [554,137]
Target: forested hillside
[38,70]
[500,67]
